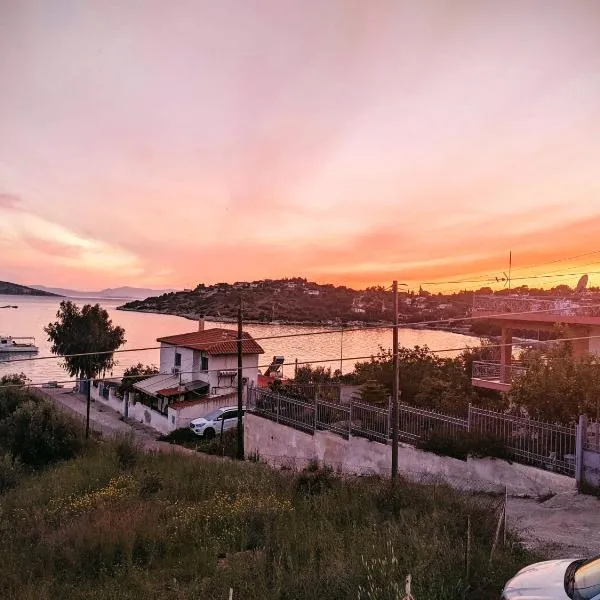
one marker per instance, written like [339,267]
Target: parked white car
[217,421]
[570,579]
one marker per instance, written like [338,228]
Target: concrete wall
[181,417]
[144,414]
[167,361]
[280,445]
[113,400]
[590,474]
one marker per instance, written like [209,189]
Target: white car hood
[200,421]
[540,581]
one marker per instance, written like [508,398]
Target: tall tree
[86,339]
[83,332]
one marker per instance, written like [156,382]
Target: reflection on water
[141,330]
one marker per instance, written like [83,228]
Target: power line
[311,333]
[334,359]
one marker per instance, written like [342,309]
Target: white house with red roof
[198,373]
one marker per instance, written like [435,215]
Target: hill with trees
[14,289]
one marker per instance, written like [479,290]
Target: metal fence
[546,445]
[417,423]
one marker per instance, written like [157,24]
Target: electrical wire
[312,362]
[311,333]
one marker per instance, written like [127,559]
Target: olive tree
[86,339]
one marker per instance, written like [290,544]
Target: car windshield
[214,415]
[586,580]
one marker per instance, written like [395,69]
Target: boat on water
[17,344]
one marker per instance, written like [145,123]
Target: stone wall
[283,446]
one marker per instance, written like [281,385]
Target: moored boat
[17,344]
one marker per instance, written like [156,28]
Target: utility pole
[395,386]
[240,403]
[87,408]
[89,401]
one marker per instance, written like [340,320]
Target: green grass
[116,523]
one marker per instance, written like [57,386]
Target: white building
[198,373]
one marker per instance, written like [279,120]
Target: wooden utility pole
[395,386]
[240,389]
[87,408]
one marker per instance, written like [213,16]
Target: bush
[314,480]
[183,436]
[225,446]
[126,450]
[466,445]
[10,472]
[38,434]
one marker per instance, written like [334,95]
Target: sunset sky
[162,144]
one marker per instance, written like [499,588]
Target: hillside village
[299,301]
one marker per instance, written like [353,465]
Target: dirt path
[567,525]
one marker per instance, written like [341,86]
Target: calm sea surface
[142,329]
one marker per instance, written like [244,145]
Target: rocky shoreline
[196,317]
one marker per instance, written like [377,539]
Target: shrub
[38,434]
[10,472]
[183,436]
[466,445]
[314,480]
[126,450]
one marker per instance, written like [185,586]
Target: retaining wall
[283,446]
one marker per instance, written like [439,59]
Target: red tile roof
[214,341]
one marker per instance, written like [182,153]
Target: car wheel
[209,434]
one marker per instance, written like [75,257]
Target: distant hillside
[284,300]
[14,289]
[123,292]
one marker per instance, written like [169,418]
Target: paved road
[108,422]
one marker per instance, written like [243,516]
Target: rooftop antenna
[581,284]
[509,266]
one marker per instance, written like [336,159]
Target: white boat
[17,344]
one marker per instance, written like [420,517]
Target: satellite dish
[581,284]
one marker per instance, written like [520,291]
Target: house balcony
[495,375]
[522,311]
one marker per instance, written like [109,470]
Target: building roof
[168,385]
[214,341]
[154,385]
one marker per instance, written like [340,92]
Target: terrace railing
[504,305]
[495,371]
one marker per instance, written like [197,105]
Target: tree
[134,374]
[557,386]
[86,339]
[83,332]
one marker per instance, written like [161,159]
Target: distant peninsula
[14,289]
[292,301]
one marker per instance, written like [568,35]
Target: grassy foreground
[115,523]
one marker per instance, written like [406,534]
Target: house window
[177,359]
[204,365]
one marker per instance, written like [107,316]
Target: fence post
[316,414]
[579,441]
[469,419]
[389,416]
[350,420]
[278,406]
